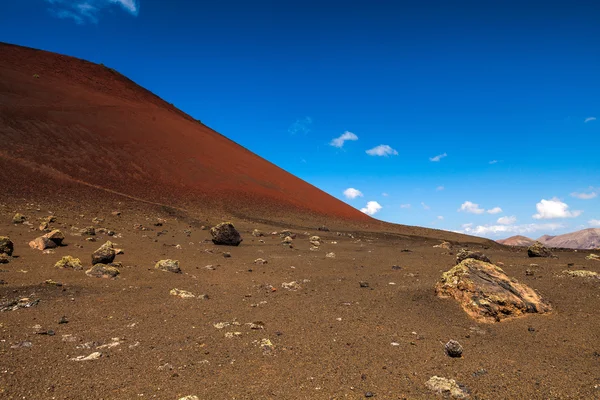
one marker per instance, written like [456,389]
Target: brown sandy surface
[331,338]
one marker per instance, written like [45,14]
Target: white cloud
[507,220]
[594,222]
[494,162]
[438,157]
[371,208]
[352,193]
[382,150]
[505,230]
[471,208]
[384,194]
[584,196]
[405,206]
[554,208]
[339,142]
[589,119]
[440,217]
[82,11]
[439,188]
[425,206]
[495,210]
[301,125]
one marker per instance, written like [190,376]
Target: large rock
[463,254]
[48,241]
[105,254]
[487,294]
[104,271]
[539,250]
[226,234]
[168,266]
[6,246]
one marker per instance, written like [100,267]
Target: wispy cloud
[371,208]
[504,230]
[440,217]
[471,208]
[438,157]
[439,188]
[589,119]
[584,196]
[384,194]
[507,220]
[383,150]
[82,11]
[405,205]
[352,193]
[495,210]
[494,162]
[302,126]
[594,222]
[425,206]
[339,141]
[554,208]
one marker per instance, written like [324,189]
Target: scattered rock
[315,241]
[168,266]
[6,246]
[226,254]
[453,349]
[487,294]
[104,271]
[330,255]
[293,285]
[582,274]
[323,228]
[444,245]
[463,254]
[260,261]
[4,259]
[287,240]
[225,234]
[105,254]
[19,218]
[257,233]
[446,387]
[69,262]
[363,284]
[593,257]
[24,302]
[184,294]
[90,231]
[539,250]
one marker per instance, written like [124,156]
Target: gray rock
[104,255]
[453,349]
[225,234]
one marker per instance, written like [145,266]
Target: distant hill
[583,239]
[517,241]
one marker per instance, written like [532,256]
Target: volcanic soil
[356,318]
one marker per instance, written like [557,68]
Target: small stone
[330,255]
[63,320]
[6,246]
[287,240]
[90,231]
[94,356]
[69,262]
[116,213]
[369,394]
[453,349]
[529,272]
[226,254]
[396,267]
[184,294]
[19,218]
[105,254]
[260,261]
[4,259]
[168,266]
[257,233]
[363,284]
[191,397]
[446,387]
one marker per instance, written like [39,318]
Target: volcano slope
[90,148]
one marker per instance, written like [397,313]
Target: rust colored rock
[487,294]
[42,243]
[539,250]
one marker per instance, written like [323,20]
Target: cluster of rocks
[103,265]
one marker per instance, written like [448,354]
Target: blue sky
[473,116]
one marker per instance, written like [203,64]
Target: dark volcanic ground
[331,338]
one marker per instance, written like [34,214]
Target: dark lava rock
[323,228]
[539,250]
[463,254]
[6,246]
[453,349]
[225,234]
[105,254]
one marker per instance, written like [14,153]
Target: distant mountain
[583,239]
[517,241]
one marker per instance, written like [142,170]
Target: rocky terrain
[585,239]
[184,267]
